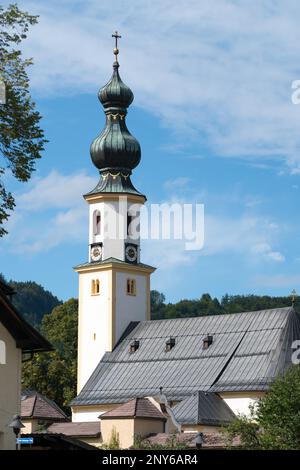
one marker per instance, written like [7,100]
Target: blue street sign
[25,440]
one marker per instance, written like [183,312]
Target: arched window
[131,287]
[96,222]
[95,287]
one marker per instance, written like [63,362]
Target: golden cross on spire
[117,36]
[293,295]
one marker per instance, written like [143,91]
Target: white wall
[85,416]
[93,318]
[96,315]
[130,307]
[111,227]
[10,391]
[88,414]
[240,405]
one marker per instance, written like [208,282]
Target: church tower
[114,286]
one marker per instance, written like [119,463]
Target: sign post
[24,440]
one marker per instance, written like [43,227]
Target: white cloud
[221,74]
[275,256]
[177,183]
[266,252]
[55,191]
[50,213]
[70,226]
[278,281]
[250,237]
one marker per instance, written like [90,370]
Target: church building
[145,376]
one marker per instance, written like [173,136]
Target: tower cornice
[114,264]
[106,197]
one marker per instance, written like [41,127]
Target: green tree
[21,138]
[54,374]
[33,301]
[246,429]
[208,305]
[278,413]
[157,301]
[275,423]
[244,303]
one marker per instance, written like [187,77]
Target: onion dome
[115,149]
[115,95]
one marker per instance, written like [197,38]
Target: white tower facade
[114,286]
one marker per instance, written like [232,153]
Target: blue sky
[216,124]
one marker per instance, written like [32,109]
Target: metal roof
[248,351]
[115,183]
[203,408]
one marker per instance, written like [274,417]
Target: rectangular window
[131,287]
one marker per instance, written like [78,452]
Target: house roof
[136,408]
[80,429]
[205,408]
[50,441]
[27,338]
[211,440]
[34,405]
[248,351]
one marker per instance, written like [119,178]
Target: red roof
[136,408]
[35,405]
[81,429]
[211,439]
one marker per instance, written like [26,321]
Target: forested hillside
[32,300]
[206,305]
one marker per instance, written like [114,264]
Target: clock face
[131,253]
[96,253]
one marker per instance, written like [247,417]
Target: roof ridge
[135,407]
[33,406]
[217,315]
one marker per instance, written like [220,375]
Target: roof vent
[208,341]
[134,345]
[170,343]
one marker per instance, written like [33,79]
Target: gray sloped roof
[203,408]
[248,351]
